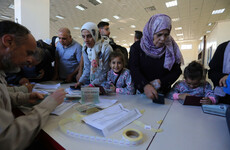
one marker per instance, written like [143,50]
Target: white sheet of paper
[47,86]
[112,119]
[105,103]
[60,109]
[76,93]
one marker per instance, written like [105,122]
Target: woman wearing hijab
[155,60]
[219,72]
[96,53]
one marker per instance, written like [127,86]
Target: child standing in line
[119,78]
[193,85]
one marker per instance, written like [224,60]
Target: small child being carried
[119,78]
[194,84]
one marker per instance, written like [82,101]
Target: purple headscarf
[172,52]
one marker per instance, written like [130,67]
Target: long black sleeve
[215,72]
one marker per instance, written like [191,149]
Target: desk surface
[188,128]
[184,127]
[153,113]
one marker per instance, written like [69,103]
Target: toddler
[119,78]
[193,85]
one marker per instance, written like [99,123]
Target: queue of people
[153,67]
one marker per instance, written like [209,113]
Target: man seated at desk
[16,45]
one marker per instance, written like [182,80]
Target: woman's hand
[222,81]
[183,96]
[78,84]
[206,101]
[150,91]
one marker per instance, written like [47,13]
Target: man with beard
[16,45]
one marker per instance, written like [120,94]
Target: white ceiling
[194,15]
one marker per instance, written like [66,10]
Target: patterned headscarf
[92,28]
[93,52]
[171,50]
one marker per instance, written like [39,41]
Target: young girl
[193,85]
[118,78]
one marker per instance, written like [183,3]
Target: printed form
[112,119]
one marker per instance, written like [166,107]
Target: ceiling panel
[194,16]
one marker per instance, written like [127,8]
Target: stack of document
[45,88]
[112,119]
[60,109]
[72,93]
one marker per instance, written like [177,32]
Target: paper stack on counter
[112,119]
[46,88]
[73,94]
[63,107]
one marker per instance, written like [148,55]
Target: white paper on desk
[41,91]
[105,103]
[60,109]
[112,119]
[73,93]
[47,86]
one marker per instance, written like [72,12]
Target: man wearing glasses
[67,57]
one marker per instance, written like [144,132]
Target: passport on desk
[191,100]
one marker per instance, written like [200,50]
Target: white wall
[34,14]
[189,55]
[219,34]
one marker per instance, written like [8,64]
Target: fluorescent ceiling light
[5,17]
[178,28]
[81,7]
[60,17]
[114,37]
[132,34]
[201,38]
[209,24]
[123,40]
[133,26]
[11,6]
[208,31]
[186,46]
[179,34]
[171,4]
[116,17]
[175,19]
[181,39]
[99,1]
[105,20]
[125,44]
[219,11]
[76,28]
